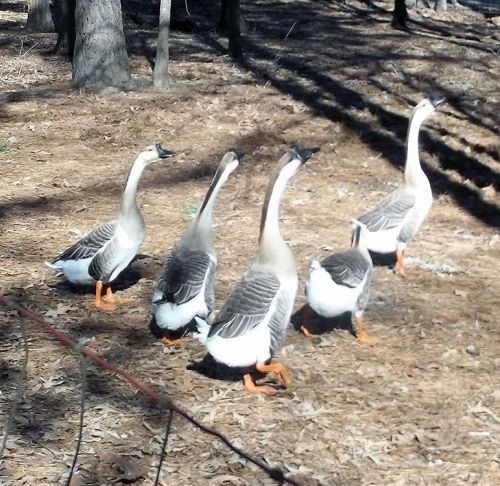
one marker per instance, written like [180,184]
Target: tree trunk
[100,58]
[39,16]
[440,5]
[66,28]
[160,73]
[222,26]
[234,32]
[399,15]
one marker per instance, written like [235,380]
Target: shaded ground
[416,408]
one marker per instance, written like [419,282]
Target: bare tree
[160,73]
[222,26]
[440,5]
[66,28]
[100,57]
[234,29]
[399,15]
[39,16]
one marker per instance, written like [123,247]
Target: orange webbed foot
[306,332]
[99,301]
[366,338]
[276,368]
[173,342]
[111,298]
[251,387]
[361,335]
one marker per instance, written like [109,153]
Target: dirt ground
[420,407]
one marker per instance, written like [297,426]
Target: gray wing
[183,275]
[106,260]
[247,305]
[278,322]
[390,213]
[209,288]
[90,244]
[348,268]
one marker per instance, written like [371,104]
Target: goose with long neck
[185,288]
[101,255]
[396,220]
[248,330]
[340,283]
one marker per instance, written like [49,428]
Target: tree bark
[234,31]
[40,16]
[399,15]
[66,28]
[160,73]
[222,26]
[440,5]
[100,58]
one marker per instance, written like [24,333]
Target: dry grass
[417,408]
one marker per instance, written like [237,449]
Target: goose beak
[437,100]
[237,155]
[304,154]
[163,153]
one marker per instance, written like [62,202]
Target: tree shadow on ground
[305,76]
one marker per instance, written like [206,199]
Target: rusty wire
[164,445]
[83,390]
[163,402]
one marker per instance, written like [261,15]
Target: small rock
[460,293]
[472,350]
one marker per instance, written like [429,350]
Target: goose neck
[201,227]
[129,208]
[273,250]
[413,169]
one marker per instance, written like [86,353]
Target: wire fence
[163,402]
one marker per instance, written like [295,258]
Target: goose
[185,288]
[340,283]
[396,220]
[101,255]
[249,328]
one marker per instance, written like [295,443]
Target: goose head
[293,159]
[428,105]
[153,153]
[230,161]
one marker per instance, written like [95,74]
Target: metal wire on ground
[164,402]
[83,390]
[164,445]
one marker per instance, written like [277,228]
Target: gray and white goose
[396,220]
[101,255]
[185,288]
[340,283]
[248,330]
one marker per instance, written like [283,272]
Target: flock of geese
[249,328]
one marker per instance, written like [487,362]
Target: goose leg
[99,302]
[251,387]
[305,321]
[361,334]
[277,369]
[400,266]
